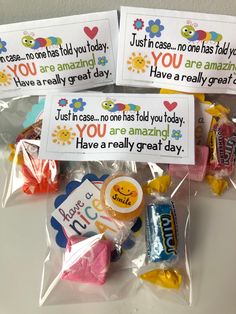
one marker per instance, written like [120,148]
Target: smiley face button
[123,196]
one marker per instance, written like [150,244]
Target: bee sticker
[189,32]
[112,106]
[35,43]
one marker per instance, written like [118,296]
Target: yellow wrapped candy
[218,185]
[218,110]
[165,278]
[159,184]
[19,158]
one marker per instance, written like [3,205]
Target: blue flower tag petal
[129,243]
[138,225]
[61,239]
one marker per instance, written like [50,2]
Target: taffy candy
[218,185]
[33,132]
[14,155]
[196,172]
[159,184]
[161,232]
[40,176]
[165,278]
[221,142]
[217,111]
[86,260]
[122,196]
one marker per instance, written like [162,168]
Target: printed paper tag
[191,52]
[81,213]
[139,127]
[68,53]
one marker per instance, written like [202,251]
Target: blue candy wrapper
[161,232]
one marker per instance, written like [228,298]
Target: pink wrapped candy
[87,259]
[196,172]
[222,141]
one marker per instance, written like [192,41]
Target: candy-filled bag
[222,147]
[220,172]
[213,174]
[96,233]
[27,176]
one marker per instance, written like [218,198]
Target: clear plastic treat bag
[213,174]
[96,233]
[26,176]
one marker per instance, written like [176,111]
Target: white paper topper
[191,52]
[99,126]
[68,53]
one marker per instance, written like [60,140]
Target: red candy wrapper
[222,143]
[33,132]
[40,176]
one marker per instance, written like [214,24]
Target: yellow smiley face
[124,194]
[63,135]
[123,197]
[139,62]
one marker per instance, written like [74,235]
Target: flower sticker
[77,104]
[2,46]
[62,102]
[155,28]
[138,24]
[102,61]
[176,134]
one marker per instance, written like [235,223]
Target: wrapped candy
[36,176]
[159,184]
[165,278]
[33,132]
[86,260]
[218,185]
[161,235]
[222,144]
[196,172]
[40,176]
